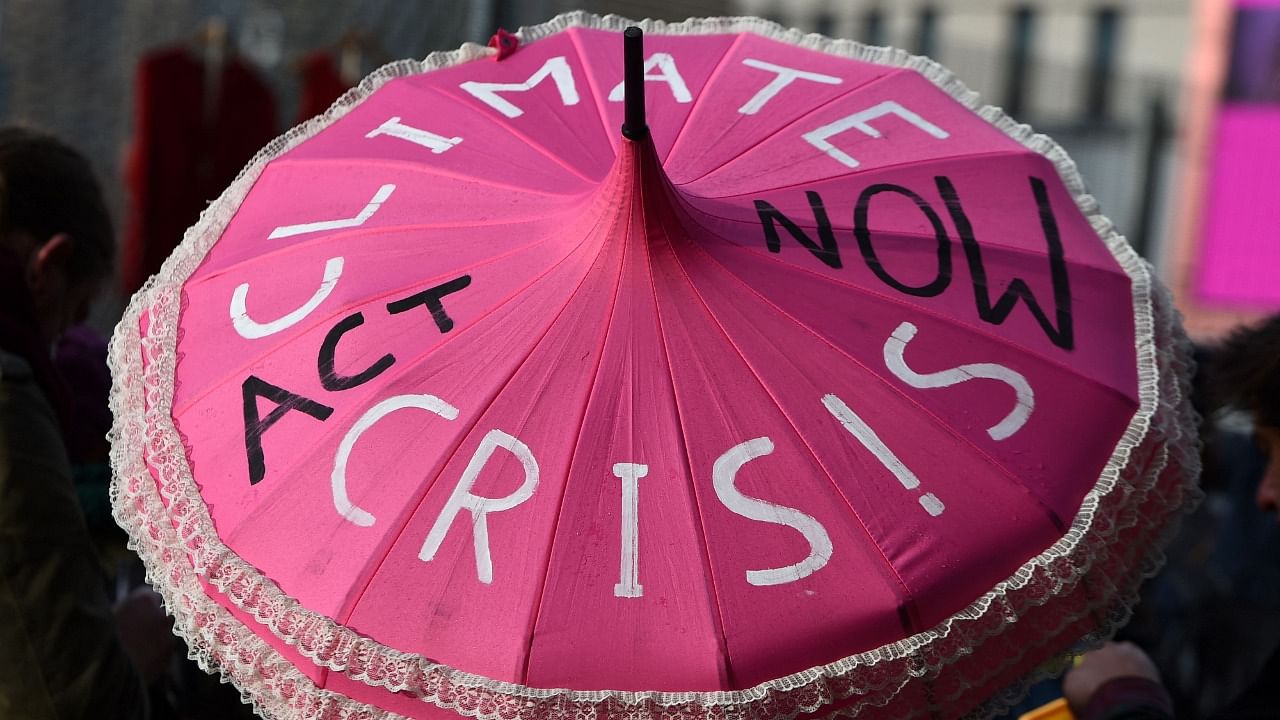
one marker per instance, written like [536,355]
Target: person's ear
[53,255]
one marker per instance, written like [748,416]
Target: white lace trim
[1122,524]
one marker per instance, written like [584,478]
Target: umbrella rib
[555,525]
[855,172]
[357,233]
[1003,247]
[347,612]
[596,95]
[432,172]
[908,596]
[1001,469]
[809,113]
[697,103]
[693,488]
[997,339]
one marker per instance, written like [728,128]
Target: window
[1102,61]
[825,24]
[927,32]
[873,27]
[1018,60]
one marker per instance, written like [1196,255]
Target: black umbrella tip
[634,126]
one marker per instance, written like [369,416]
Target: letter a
[255,426]
[667,73]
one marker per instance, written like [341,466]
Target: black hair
[1245,371]
[47,188]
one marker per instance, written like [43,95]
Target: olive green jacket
[60,656]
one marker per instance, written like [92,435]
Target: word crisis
[629,471]
[724,470]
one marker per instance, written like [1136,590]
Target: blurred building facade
[1043,59]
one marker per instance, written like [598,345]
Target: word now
[1059,330]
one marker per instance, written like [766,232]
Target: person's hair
[47,188]
[1245,371]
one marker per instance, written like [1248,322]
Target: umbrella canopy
[819,390]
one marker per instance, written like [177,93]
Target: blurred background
[1171,108]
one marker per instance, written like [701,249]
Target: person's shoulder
[26,417]
[13,369]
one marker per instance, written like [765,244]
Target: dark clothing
[1262,700]
[322,84]
[1130,698]
[60,657]
[1141,699]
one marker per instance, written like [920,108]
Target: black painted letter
[329,377]
[828,253]
[863,233]
[1060,334]
[431,298]
[254,426]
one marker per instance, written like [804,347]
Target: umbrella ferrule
[634,126]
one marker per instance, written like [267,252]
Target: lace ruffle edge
[1081,587]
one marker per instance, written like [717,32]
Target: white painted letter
[667,73]
[723,474]
[629,576]
[338,480]
[379,197]
[433,142]
[251,329]
[480,507]
[557,67]
[897,343]
[863,432]
[861,120]
[785,76]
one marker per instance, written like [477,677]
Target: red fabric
[321,85]
[184,154]
[504,42]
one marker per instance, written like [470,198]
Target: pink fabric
[1239,253]
[623,306]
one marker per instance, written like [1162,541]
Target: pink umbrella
[818,391]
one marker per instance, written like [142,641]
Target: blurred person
[1119,681]
[1246,376]
[64,652]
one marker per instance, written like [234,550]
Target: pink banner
[1239,250]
